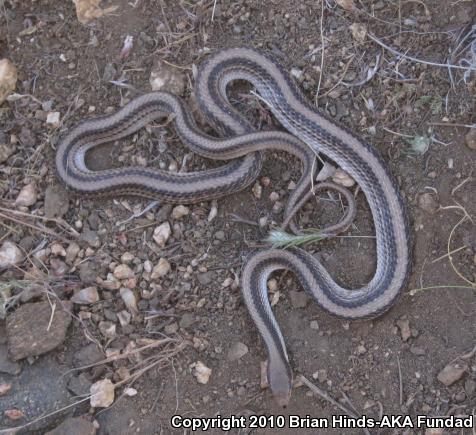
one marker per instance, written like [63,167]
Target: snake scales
[315,133]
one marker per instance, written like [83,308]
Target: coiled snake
[315,133]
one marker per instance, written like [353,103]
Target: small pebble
[162,234]
[404,326]
[27,196]
[10,255]
[237,351]
[88,295]
[202,372]
[452,373]
[428,202]
[161,269]
[180,211]
[470,138]
[123,271]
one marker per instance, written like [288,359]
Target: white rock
[161,269]
[327,171]
[10,255]
[272,285]
[27,196]
[58,250]
[88,295]
[147,266]
[129,299]
[162,234]
[124,317]
[108,329]
[131,392]
[213,211]
[127,257]
[53,119]
[359,31]
[71,252]
[257,190]
[202,373]
[88,10]
[8,78]
[273,196]
[123,271]
[102,394]
[343,178]
[180,211]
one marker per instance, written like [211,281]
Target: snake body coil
[315,133]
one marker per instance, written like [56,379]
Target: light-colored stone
[452,372]
[102,394]
[162,234]
[8,78]
[359,31]
[343,178]
[404,326]
[129,298]
[108,329]
[470,138]
[202,372]
[237,351]
[123,271]
[257,190]
[53,119]
[88,295]
[10,255]
[27,196]
[161,269]
[180,211]
[58,250]
[127,257]
[88,10]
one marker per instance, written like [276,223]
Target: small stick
[449,253]
[322,49]
[400,381]
[415,59]
[452,124]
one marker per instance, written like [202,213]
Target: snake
[308,132]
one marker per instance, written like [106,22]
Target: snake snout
[281,386]
[283,400]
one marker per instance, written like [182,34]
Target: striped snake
[316,134]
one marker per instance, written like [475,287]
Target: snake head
[280,381]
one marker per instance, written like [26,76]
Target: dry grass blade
[128,354]
[417,60]
[281,239]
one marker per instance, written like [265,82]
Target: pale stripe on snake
[303,121]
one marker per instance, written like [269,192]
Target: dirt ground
[385,366]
